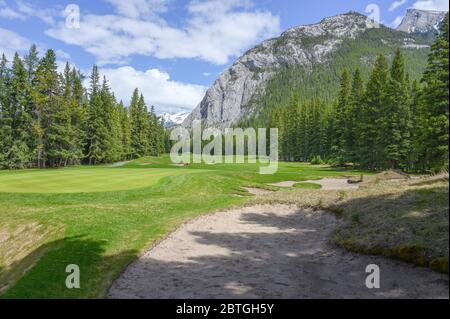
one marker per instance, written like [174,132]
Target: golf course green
[101,218]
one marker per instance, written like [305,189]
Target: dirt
[274,251]
[119,164]
[392,175]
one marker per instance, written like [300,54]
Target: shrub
[317,160]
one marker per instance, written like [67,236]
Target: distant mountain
[421,21]
[174,119]
[308,59]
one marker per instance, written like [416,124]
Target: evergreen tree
[97,133]
[356,118]
[342,125]
[434,108]
[372,152]
[6,138]
[56,113]
[126,131]
[396,117]
[18,155]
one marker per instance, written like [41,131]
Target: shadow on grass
[411,226]
[278,257]
[42,273]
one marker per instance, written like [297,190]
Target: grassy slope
[41,233]
[406,220]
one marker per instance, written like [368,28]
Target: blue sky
[171,49]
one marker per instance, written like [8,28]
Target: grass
[101,218]
[308,186]
[81,180]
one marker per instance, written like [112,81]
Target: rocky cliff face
[305,45]
[421,21]
[225,103]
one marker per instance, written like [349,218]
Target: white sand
[266,252]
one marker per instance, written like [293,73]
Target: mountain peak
[174,119]
[421,21]
[348,24]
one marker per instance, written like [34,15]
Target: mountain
[307,58]
[174,119]
[421,21]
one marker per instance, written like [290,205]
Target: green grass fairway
[101,218]
[81,180]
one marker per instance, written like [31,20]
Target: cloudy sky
[172,50]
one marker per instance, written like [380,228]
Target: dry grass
[406,219]
[17,247]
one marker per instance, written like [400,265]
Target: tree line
[48,119]
[385,122]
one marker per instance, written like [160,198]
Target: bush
[317,160]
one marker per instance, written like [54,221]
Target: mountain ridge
[421,21]
[229,99]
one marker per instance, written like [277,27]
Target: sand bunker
[266,252]
[327,184]
[119,164]
[257,191]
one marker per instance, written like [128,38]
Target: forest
[383,120]
[48,119]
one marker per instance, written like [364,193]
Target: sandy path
[266,252]
[119,164]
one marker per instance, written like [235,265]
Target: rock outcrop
[421,21]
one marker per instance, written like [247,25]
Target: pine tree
[356,118]
[18,155]
[57,117]
[135,124]
[126,131]
[342,125]
[144,125]
[372,153]
[397,117]
[6,138]
[97,133]
[78,112]
[434,108]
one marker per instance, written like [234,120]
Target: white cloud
[7,12]
[215,31]
[29,10]
[10,42]
[24,10]
[139,8]
[156,86]
[437,5]
[396,4]
[61,54]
